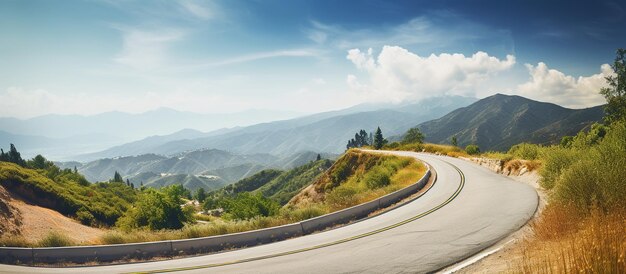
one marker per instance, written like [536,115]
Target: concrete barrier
[339,217]
[242,239]
[16,255]
[80,254]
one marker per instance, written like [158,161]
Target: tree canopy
[413,135]
[615,93]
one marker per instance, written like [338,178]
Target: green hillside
[290,183]
[250,183]
[501,121]
[68,192]
[275,184]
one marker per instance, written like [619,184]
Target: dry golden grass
[568,242]
[7,240]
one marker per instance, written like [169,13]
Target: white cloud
[145,50]
[40,102]
[553,86]
[397,74]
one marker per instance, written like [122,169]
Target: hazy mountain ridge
[500,121]
[323,132]
[60,137]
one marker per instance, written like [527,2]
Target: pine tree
[117,177]
[127,182]
[379,141]
[319,157]
[14,157]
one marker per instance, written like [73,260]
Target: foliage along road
[468,209]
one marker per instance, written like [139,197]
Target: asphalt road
[468,209]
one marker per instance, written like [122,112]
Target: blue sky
[87,57]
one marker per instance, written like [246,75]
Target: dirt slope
[35,222]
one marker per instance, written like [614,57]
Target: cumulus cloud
[553,86]
[397,74]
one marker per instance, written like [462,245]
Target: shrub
[55,239]
[472,149]
[525,151]
[157,209]
[85,217]
[377,178]
[597,177]
[246,206]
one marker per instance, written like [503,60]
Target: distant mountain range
[208,169]
[61,136]
[324,132]
[500,121]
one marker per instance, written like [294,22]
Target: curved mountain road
[468,209]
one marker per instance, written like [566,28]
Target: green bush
[472,149]
[556,159]
[377,178]
[246,206]
[525,151]
[157,209]
[85,217]
[597,177]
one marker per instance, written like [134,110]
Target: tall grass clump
[55,239]
[592,243]
[582,229]
[7,240]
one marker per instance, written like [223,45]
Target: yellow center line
[421,215]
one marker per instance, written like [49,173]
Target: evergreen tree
[117,177]
[615,93]
[132,185]
[379,141]
[319,157]
[127,182]
[75,170]
[454,141]
[12,156]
